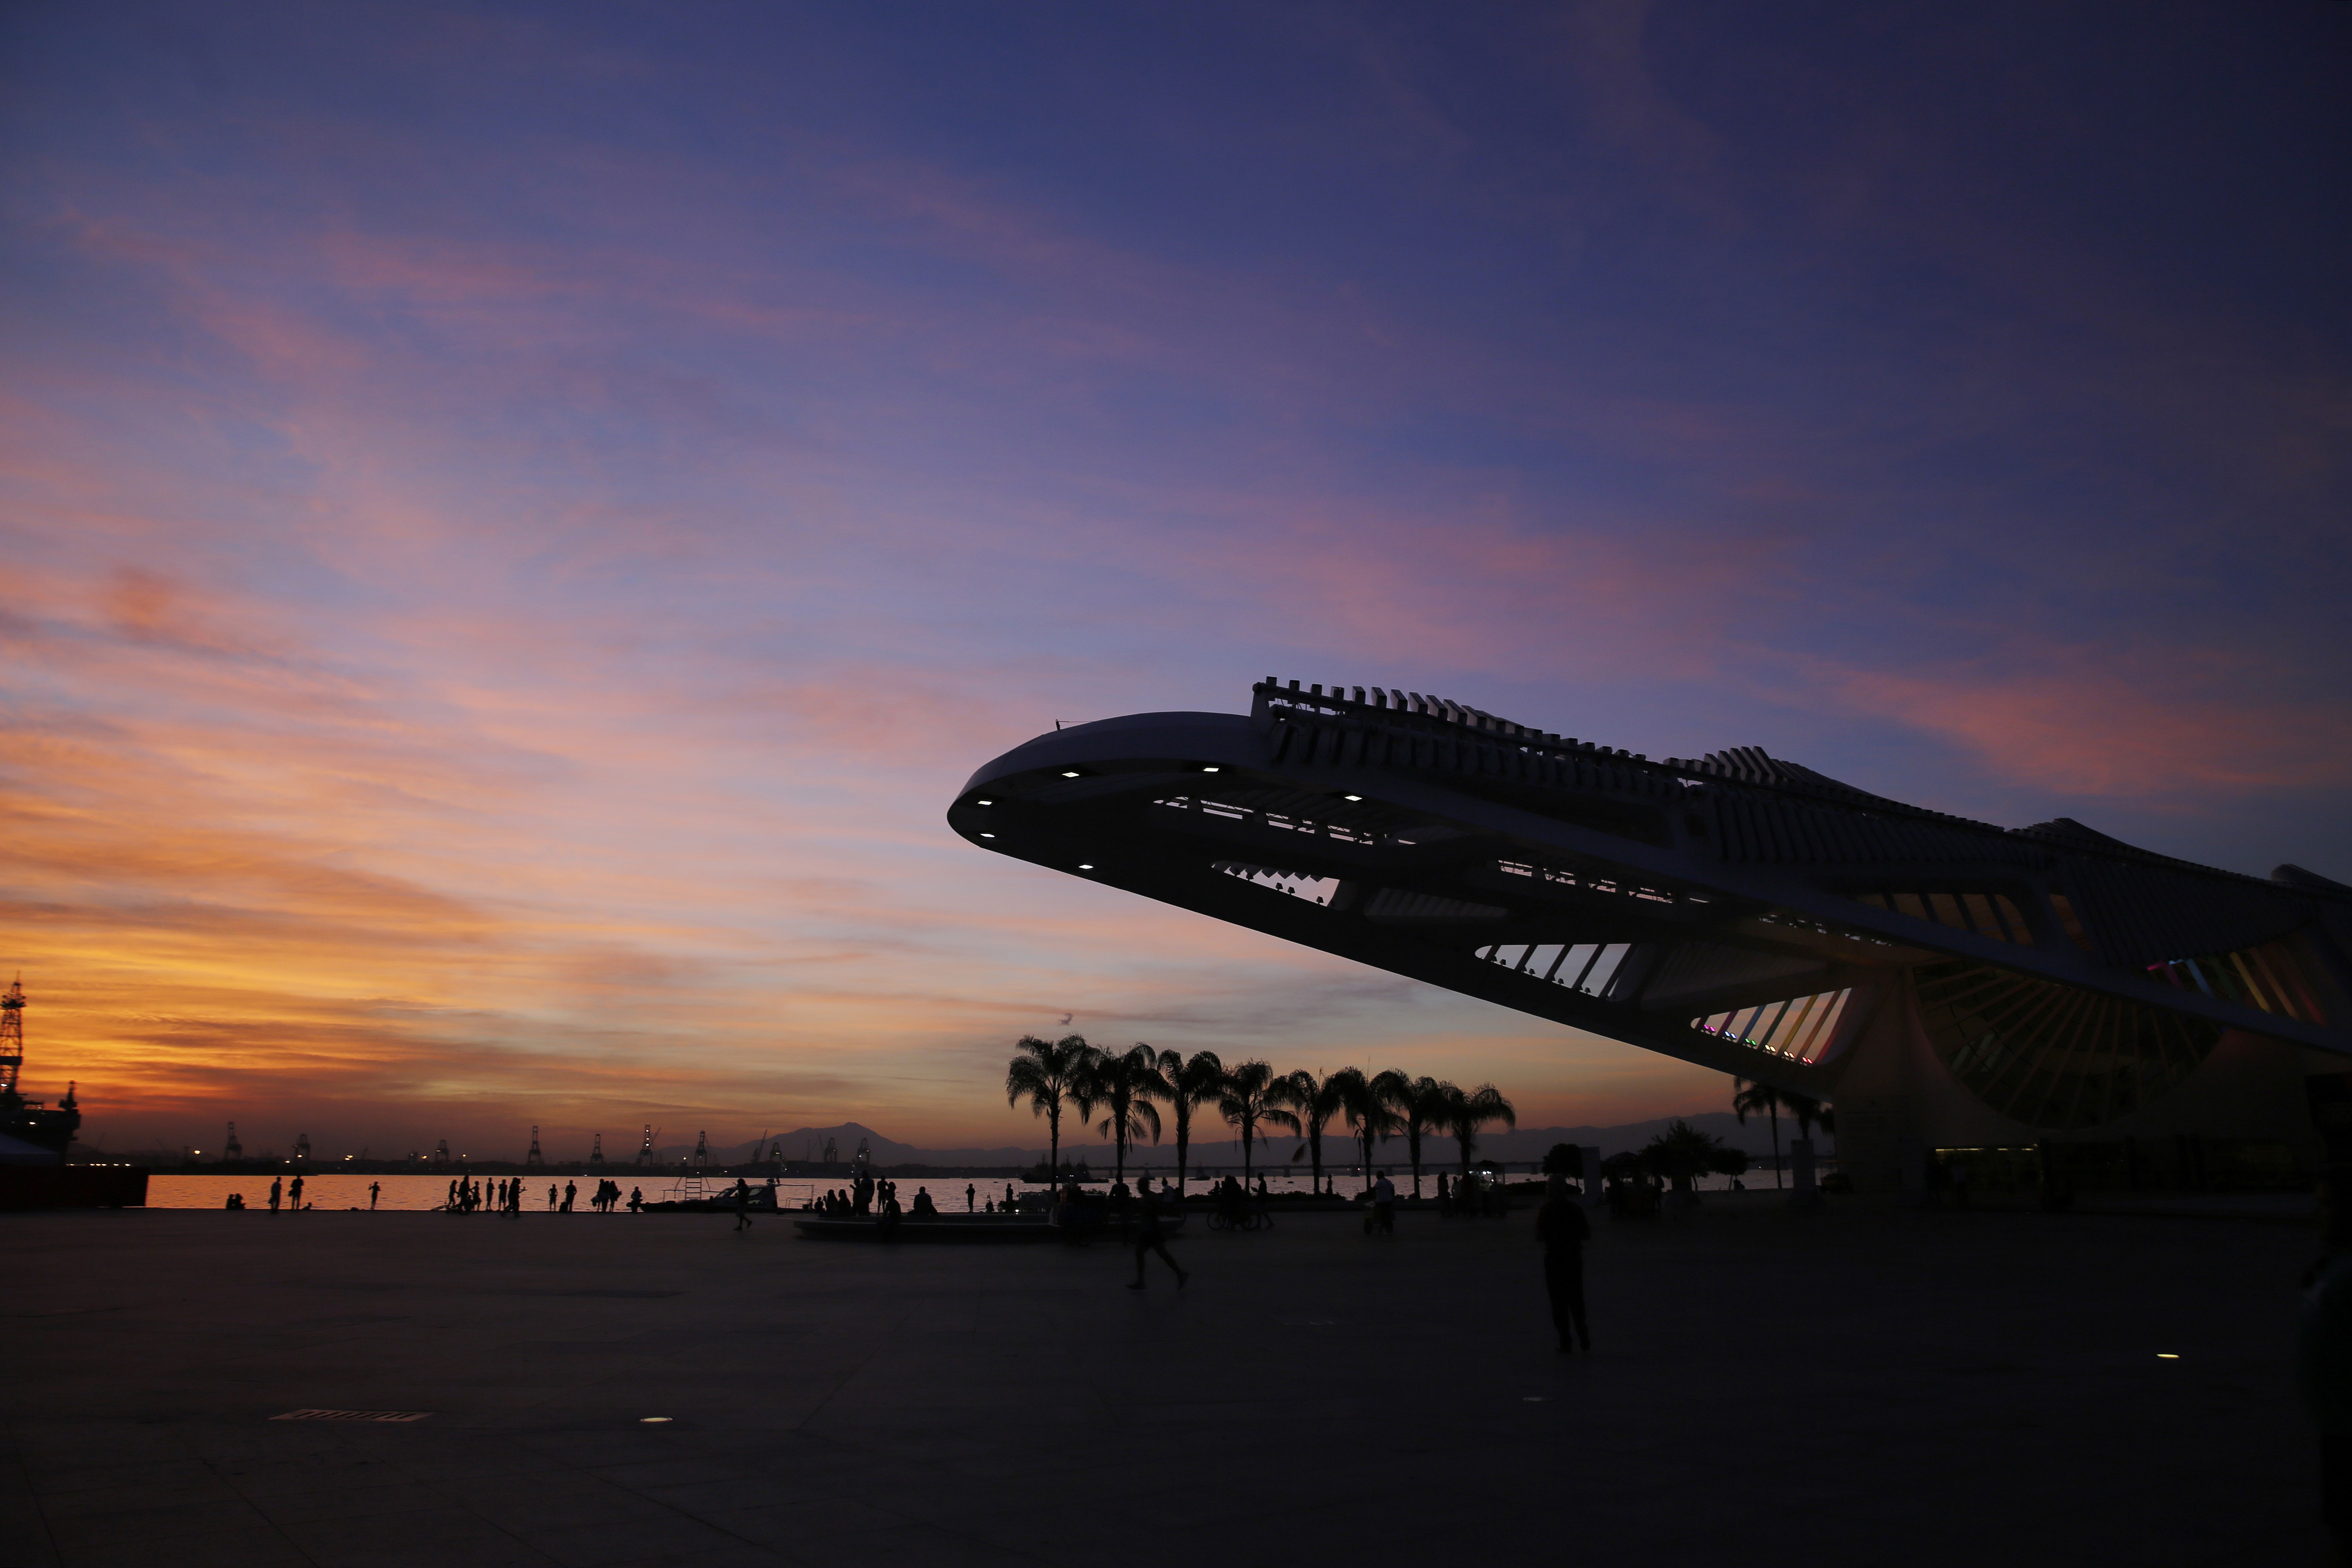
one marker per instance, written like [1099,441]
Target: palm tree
[1191,1085]
[1808,1113]
[1682,1153]
[1126,1085]
[1464,1111]
[1364,1101]
[1316,1099]
[1050,1074]
[1746,1097]
[1420,1104]
[1251,1098]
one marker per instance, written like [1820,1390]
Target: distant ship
[30,1132]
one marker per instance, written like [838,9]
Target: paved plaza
[1860,1386]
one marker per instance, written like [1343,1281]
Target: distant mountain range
[1497,1143]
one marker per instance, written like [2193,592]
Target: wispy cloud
[515,529]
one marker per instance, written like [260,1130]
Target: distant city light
[1210,768]
[1069,772]
[2166,1355]
[1351,797]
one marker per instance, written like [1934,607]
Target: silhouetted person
[2324,1356]
[571,1191]
[1561,1226]
[1445,1197]
[890,1218]
[636,1199]
[375,1191]
[277,1193]
[742,1203]
[971,1194]
[294,1193]
[1150,1235]
[236,1200]
[924,1207]
[1009,1205]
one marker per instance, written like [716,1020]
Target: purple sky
[517,519]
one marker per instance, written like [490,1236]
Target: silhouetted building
[1946,983]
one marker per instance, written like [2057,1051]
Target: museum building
[2129,1019]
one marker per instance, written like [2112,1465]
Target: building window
[2267,977]
[2054,1056]
[1986,914]
[1797,1027]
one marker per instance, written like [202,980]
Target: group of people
[506,1196]
[279,1194]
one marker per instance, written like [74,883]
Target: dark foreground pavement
[1858,1386]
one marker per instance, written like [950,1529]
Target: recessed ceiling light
[1069,772]
[1351,797]
[988,835]
[983,803]
[1086,867]
[1210,768]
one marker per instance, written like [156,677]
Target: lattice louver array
[1986,914]
[1797,1027]
[2056,1056]
[2267,977]
[1583,966]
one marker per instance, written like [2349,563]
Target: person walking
[1150,1236]
[1383,1205]
[277,1193]
[375,1191]
[742,1203]
[1562,1228]
[2324,1356]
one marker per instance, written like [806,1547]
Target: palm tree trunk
[1054,1146]
[1412,1147]
[1315,1151]
[1776,1148]
[1183,1143]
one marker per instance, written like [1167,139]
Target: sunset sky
[517,520]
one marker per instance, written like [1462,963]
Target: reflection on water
[330,1190]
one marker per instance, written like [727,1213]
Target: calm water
[328,1190]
